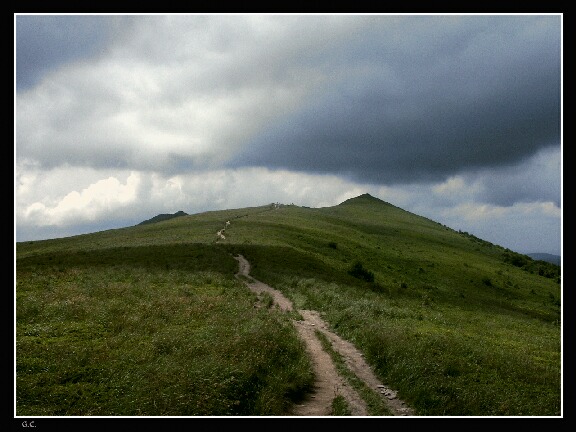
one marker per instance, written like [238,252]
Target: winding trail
[329,383]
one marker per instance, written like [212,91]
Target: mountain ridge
[541,256]
[364,199]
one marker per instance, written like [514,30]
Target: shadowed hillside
[163,217]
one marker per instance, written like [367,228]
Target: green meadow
[150,320]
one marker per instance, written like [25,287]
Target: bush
[359,272]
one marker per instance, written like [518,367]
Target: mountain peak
[365,198]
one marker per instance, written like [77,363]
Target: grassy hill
[150,320]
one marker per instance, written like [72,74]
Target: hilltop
[163,217]
[369,202]
[365,198]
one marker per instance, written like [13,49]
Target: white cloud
[89,204]
[43,200]
[456,189]
[523,227]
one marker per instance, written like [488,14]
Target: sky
[454,117]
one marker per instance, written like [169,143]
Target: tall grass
[444,357]
[137,339]
[374,402]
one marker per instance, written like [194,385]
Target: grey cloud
[420,110]
[45,42]
[536,179]
[393,99]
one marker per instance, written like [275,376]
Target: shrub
[358,271]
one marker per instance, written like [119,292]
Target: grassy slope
[447,321]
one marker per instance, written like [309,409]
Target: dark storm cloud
[424,99]
[46,42]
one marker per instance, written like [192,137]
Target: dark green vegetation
[150,320]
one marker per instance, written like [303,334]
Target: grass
[150,320]
[143,340]
[445,359]
[374,402]
[340,407]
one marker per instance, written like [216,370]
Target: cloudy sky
[453,117]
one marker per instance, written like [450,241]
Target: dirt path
[329,383]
